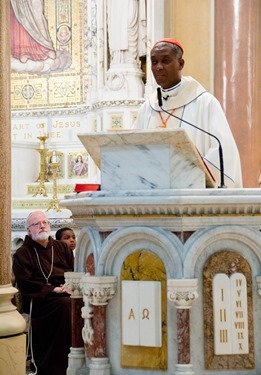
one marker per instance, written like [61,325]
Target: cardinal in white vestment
[189,101]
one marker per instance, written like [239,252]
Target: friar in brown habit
[39,266]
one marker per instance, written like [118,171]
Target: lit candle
[54,157]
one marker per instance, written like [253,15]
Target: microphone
[159,97]
[220,151]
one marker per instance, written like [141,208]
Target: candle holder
[43,176]
[54,204]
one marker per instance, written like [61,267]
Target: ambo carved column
[183,293]
[97,292]
[12,324]
[258,282]
[76,358]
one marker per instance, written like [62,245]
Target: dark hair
[175,49]
[59,233]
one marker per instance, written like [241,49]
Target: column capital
[182,292]
[99,289]
[72,283]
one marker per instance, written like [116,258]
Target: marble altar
[182,239]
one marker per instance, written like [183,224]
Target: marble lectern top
[171,157]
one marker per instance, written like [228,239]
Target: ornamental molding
[117,103]
[192,208]
[80,110]
[55,223]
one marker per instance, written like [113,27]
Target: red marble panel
[99,326]
[183,336]
[90,266]
[77,323]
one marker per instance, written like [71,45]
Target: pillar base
[11,322]
[184,370]
[99,366]
[76,362]
[13,354]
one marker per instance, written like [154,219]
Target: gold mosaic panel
[226,262]
[63,85]
[116,121]
[61,189]
[65,90]
[31,204]
[25,92]
[147,266]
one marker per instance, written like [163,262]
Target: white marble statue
[127,30]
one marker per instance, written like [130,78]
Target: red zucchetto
[170,40]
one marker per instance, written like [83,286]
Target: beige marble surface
[12,355]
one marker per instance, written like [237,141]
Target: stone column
[238,78]
[12,324]
[183,293]
[97,292]
[92,47]
[155,31]
[76,358]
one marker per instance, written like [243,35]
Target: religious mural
[47,54]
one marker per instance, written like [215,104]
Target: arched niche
[87,251]
[140,253]
[227,264]
[144,265]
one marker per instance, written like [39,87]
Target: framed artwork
[78,164]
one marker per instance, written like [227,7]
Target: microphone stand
[220,151]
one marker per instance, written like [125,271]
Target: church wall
[191,23]
[30,160]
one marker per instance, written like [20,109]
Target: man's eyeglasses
[39,224]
